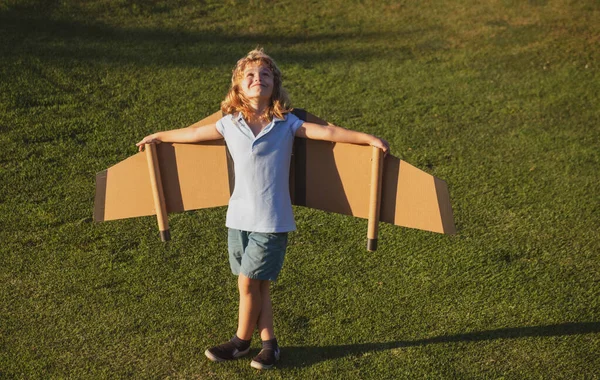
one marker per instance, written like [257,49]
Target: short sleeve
[220,126]
[294,122]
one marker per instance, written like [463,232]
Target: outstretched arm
[331,132]
[191,134]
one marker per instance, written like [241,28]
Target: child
[259,131]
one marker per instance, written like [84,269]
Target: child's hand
[150,139]
[381,144]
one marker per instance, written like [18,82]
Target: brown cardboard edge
[389,189]
[230,170]
[443,197]
[299,160]
[299,171]
[100,198]
[302,114]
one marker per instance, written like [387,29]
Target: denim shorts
[256,255]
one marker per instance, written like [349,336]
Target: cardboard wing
[337,177]
[165,178]
[344,178]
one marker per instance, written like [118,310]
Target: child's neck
[256,120]
[259,106]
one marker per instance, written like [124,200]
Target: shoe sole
[258,365]
[217,359]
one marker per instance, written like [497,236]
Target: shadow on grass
[306,356]
[27,34]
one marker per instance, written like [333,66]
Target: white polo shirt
[261,197]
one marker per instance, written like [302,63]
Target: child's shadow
[293,357]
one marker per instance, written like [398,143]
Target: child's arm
[190,134]
[337,134]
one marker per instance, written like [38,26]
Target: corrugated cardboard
[333,177]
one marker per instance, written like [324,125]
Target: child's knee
[265,287]
[249,285]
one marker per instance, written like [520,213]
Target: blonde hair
[235,101]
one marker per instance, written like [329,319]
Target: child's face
[257,81]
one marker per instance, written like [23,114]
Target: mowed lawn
[498,98]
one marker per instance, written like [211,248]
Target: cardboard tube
[157,192]
[374,198]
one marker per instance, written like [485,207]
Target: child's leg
[250,305]
[270,352]
[265,319]
[255,303]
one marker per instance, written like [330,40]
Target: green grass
[498,98]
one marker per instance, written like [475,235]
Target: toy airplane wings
[342,178]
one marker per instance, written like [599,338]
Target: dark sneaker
[225,351]
[265,359]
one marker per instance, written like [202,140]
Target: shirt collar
[240,116]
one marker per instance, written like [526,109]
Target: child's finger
[383,145]
[386,146]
